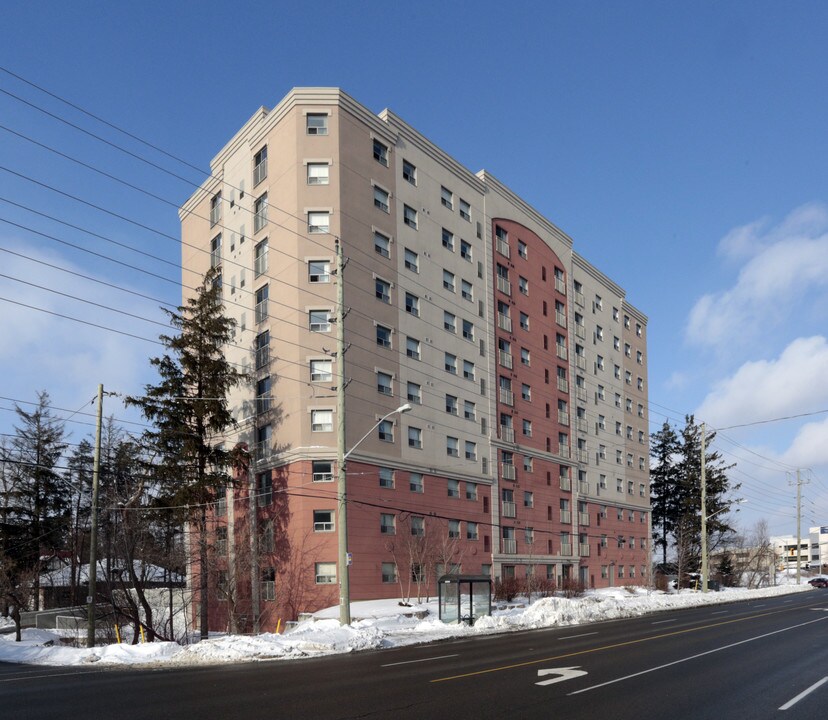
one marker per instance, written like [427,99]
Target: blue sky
[682,146]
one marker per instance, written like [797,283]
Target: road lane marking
[527,663]
[570,637]
[409,662]
[661,622]
[50,675]
[566,673]
[692,657]
[721,612]
[801,695]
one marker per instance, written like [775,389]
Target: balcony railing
[504,285]
[566,549]
[507,397]
[560,285]
[509,546]
[563,385]
[505,359]
[579,298]
[563,450]
[583,487]
[507,471]
[580,362]
[580,330]
[581,455]
[503,247]
[581,393]
[566,516]
[560,318]
[581,425]
[261,311]
[563,417]
[507,434]
[560,351]
[583,518]
[583,549]
[566,483]
[504,322]
[508,509]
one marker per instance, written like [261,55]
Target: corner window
[317,124]
[319,271]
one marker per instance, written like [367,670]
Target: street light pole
[342,513]
[704,520]
[703,514]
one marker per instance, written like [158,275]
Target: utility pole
[703,514]
[253,518]
[341,490]
[93,531]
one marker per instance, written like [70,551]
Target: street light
[704,519]
[342,524]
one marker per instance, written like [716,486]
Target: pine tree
[664,478]
[190,412]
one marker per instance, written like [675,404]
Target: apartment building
[526,447]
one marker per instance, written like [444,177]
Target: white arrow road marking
[565,674]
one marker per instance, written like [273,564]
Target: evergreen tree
[36,505]
[664,478]
[190,412]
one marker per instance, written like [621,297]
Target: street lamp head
[403,408]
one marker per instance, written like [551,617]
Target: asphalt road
[751,660]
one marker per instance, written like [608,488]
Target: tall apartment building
[526,448]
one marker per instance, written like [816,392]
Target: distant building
[813,548]
[526,451]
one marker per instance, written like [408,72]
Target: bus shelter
[464,598]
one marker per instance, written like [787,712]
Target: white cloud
[785,263]
[763,389]
[809,448]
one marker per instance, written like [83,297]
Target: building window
[261,450]
[319,222]
[380,152]
[525,358]
[261,304]
[447,198]
[448,281]
[453,450]
[527,428]
[468,370]
[453,529]
[453,488]
[412,348]
[322,471]
[415,483]
[323,521]
[319,271]
[322,420]
[448,239]
[410,216]
[412,261]
[267,585]
[385,431]
[383,336]
[451,405]
[465,251]
[215,251]
[524,321]
[263,398]
[319,320]
[260,213]
[523,285]
[465,210]
[415,438]
[471,450]
[466,290]
[260,166]
[381,199]
[522,251]
[262,349]
[389,572]
[384,381]
[471,531]
[386,478]
[317,124]
[418,530]
[413,393]
[383,290]
[471,491]
[215,209]
[264,489]
[412,304]
[409,172]
[468,330]
[382,244]
[221,541]
[325,573]
[469,410]
[450,364]
[318,174]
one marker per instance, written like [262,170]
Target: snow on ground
[376,624]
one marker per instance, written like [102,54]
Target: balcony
[261,311]
[507,397]
[581,455]
[580,330]
[563,385]
[566,516]
[583,549]
[507,434]
[504,322]
[560,285]
[566,483]
[563,450]
[509,509]
[507,471]
[503,247]
[560,351]
[504,285]
[566,549]
[563,417]
[509,546]
[580,362]
[505,359]
[581,424]
[583,487]
[583,519]
[560,318]
[581,393]
[579,298]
